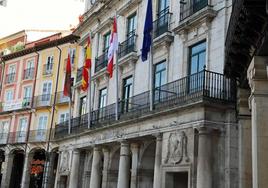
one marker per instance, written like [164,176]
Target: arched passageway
[17,169]
[2,159]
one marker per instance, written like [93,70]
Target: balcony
[10,78]
[193,14]
[3,138]
[79,75]
[127,50]
[47,69]
[17,105]
[61,98]
[200,87]
[161,29]
[43,101]
[40,135]
[17,137]
[28,74]
[101,61]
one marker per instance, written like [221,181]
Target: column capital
[158,136]
[76,151]
[204,130]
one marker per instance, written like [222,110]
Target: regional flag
[68,78]
[147,32]
[112,49]
[87,66]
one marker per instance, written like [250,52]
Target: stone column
[124,165]
[7,170]
[57,178]
[204,166]
[105,167]
[25,181]
[95,179]
[157,163]
[258,101]
[134,167]
[244,140]
[74,169]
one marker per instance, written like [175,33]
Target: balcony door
[29,72]
[22,130]
[130,35]
[127,93]
[102,101]
[46,92]
[49,65]
[159,80]
[41,129]
[196,67]
[162,7]
[27,96]
[11,73]
[83,109]
[199,4]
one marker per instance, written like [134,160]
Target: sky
[39,14]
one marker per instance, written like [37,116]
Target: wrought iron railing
[128,46]
[204,85]
[44,100]
[28,73]
[101,61]
[3,138]
[17,137]
[39,135]
[10,78]
[48,69]
[188,10]
[79,74]
[26,102]
[61,98]
[161,25]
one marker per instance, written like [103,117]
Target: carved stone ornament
[176,148]
[64,165]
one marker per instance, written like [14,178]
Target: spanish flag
[87,66]
[68,79]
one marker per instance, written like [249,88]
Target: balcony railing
[187,10]
[161,25]
[101,61]
[79,74]
[28,74]
[3,138]
[43,100]
[204,85]
[128,45]
[10,78]
[25,103]
[40,135]
[17,137]
[61,98]
[48,69]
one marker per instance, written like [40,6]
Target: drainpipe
[46,171]
[2,76]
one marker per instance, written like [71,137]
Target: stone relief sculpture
[64,166]
[176,148]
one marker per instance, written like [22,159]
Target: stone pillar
[258,101]
[57,178]
[7,170]
[105,167]
[124,165]
[134,167]
[25,181]
[95,179]
[74,169]
[204,165]
[244,140]
[157,163]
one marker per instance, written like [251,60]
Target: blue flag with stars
[147,32]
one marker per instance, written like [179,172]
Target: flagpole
[89,99]
[116,76]
[151,75]
[70,113]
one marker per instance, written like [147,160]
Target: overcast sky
[39,14]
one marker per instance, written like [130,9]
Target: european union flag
[147,32]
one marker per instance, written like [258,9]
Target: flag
[113,48]
[147,32]
[87,66]
[68,79]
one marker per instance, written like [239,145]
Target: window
[102,97]
[159,80]
[64,117]
[106,41]
[46,92]
[162,6]
[49,65]
[9,95]
[197,64]
[72,55]
[131,25]
[22,129]
[127,93]
[27,95]
[41,129]
[3,128]
[29,71]
[12,69]
[30,64]
[83,105]
[10,77]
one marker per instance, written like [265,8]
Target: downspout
[32,101]
[2,76]
[45,179]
